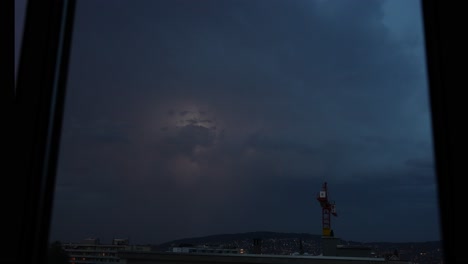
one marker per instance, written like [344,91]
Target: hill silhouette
[228,238]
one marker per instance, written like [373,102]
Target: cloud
[421,163]
[220,113]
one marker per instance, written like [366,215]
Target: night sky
[192,118]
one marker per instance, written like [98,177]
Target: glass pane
[20,13]
[188,119]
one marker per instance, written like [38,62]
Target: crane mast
[328,209]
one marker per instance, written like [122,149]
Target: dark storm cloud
[265,144]
[418,163]
[202,117]
[189,137]
[104,132]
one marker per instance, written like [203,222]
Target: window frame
[38,109]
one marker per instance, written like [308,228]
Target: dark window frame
[38,108]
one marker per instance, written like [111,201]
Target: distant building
[257,246]
[91,251]
[207,250]
[331,247]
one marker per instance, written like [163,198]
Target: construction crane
[328,209]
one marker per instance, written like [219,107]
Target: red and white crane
[328,209]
